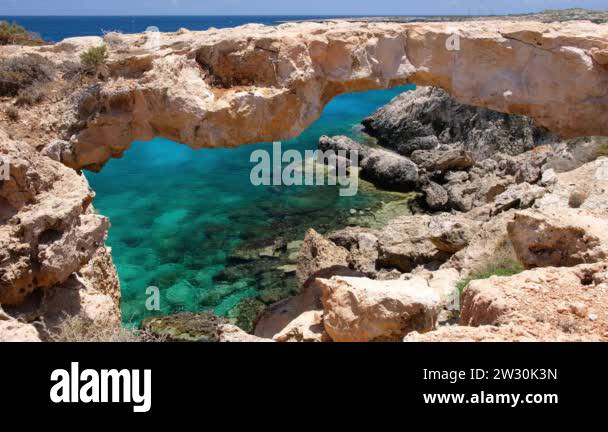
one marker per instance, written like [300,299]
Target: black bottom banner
[149,380]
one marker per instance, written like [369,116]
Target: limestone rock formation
[405,243]
[308,327]
[317,254]
[590,178]
[255,83]
[53,261]
[571,301]
[364,310]
[12,330]
[48,230]
[505,333]
[559,237]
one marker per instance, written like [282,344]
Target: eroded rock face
[12,330]
[49,229]
[307,327]
[196,327]
[565,301]
[318,254]
[255,83]
[421,120]
[365,310]
[559,237]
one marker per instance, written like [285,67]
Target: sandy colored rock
[590,178]
[49,229]
[316,254]
[564,299]
[365,310]
[233,334]
[308,327]
[488,248]
[405,243]
[254,83]
[559,237]
[15,331]
[508,333]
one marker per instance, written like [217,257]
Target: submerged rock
[196,327]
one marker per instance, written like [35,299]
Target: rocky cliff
[255,83]
[53,260]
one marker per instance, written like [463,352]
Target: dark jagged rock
[428,116]
[384,168]
[443,159]
[389,170]
[343,143]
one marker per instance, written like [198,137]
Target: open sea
[189,221]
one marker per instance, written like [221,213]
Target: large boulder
[308,327]
[389,170]
[365,310]
[344,144]
[317,254]
[565,300]
[405,243]
[448,158]
[362,244]
[429,116]
[559,237]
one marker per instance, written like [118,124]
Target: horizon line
[279,15]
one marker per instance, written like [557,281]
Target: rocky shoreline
[508,237]
[511,264]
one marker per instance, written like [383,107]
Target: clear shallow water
[188,221]
[179,215]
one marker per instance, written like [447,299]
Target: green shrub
[32,95]
[94,57]
[18,73]
[82,329]
[506,269]
[14,34]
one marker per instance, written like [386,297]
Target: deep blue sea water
[54,29]
[181,218]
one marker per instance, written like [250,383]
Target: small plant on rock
[14,34]
[508,268]
[94,58]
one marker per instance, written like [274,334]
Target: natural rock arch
[256,83]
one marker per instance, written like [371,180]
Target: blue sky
[284,7]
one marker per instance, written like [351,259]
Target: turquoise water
[185,220]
